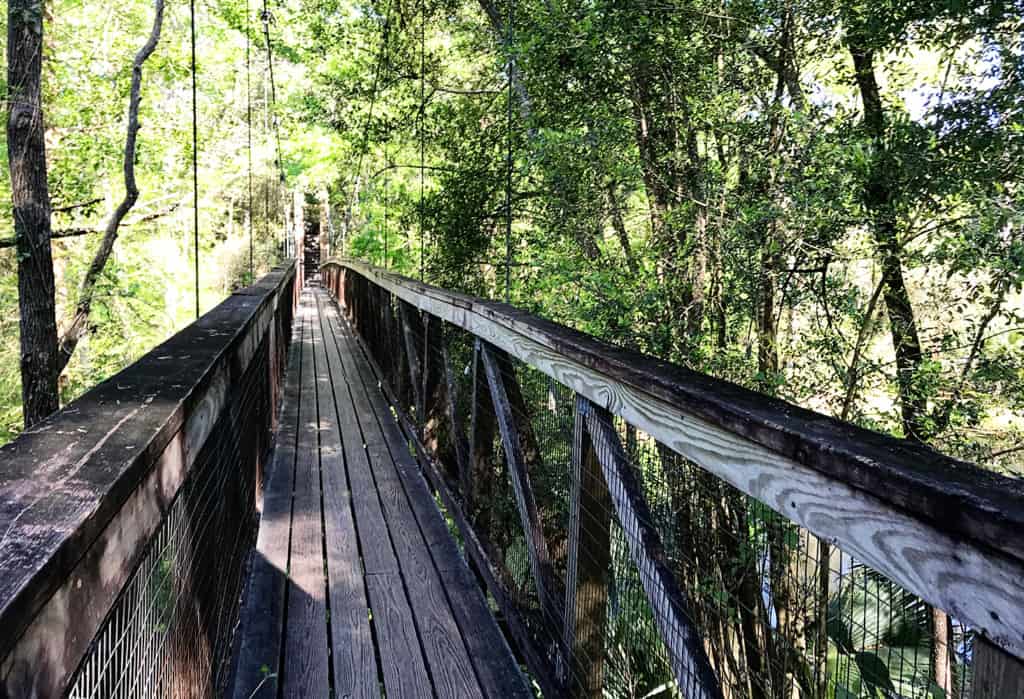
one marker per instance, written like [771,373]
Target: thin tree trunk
[853,373]
[79,322]
[30,196]
[879,195]
[620,229]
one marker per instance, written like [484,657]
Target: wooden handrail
[943,529]
[82,493]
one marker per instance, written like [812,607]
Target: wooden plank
[401,660]
[539,665]
[536,544]
[686,650]
[261,621]
[882,500]
[403,666]
[996,674]
[305,671]
[67,480]
[496,668]
[447,658]
[586,594]
[352,652]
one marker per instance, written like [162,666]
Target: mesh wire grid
[778,612]
[169,634]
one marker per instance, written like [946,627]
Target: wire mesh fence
[635,572]
[170,632]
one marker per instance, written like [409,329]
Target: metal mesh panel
[781,612]
[664,579]
[169,634]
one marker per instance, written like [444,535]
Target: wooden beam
[997,674]
[82,494]
[536,544]
[482,429]
[882,500]
[685,647]
[457,428]
[586,577]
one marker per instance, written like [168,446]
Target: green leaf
[874,671]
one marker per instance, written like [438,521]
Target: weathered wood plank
[353,661]
[405,674]
[883,500]
[403,665]
[996,674]
[586,594]
[537,546]
[261,622]
[686,651]
[82,492]
[447,658]
[417,525]
[305,671]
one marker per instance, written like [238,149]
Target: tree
[26,154]
[78,325]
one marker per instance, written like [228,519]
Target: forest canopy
[818,200]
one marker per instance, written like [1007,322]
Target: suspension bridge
[343,482]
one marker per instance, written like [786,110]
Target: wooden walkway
[358,588]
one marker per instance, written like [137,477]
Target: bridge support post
[997,674]
[587,572]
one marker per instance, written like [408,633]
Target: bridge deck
[357,585]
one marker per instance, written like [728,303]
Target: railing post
[586,594]
[536,544]
[457,430]
[685,647]
[482,429]
[997,674]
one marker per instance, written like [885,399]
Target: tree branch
[77,327]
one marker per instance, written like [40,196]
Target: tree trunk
[879,199]
[30,196]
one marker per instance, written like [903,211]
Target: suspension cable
[248,128]
[508,155]
[423,52]
[268,19]
[387,138]
[385,29]
[195,155]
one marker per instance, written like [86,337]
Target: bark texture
[26,152]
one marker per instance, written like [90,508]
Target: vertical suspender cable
[423,114]
[195,155]
[387,136]
[267,19]
[508,156]
[248,128]
[369,119]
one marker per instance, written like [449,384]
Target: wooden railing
[127,517]
[758,533]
